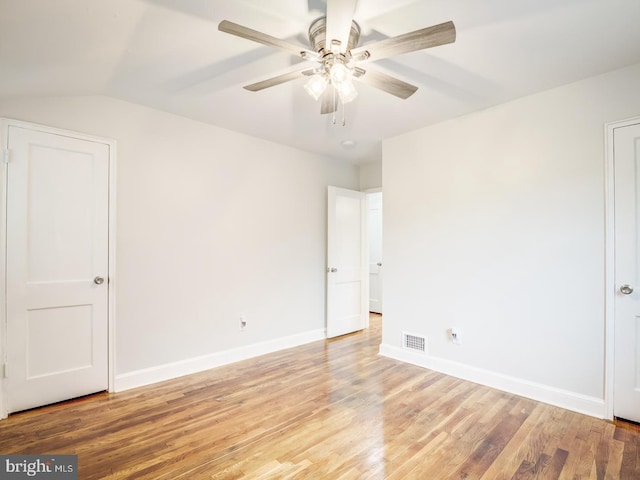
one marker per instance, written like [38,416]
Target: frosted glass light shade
[339,73]
[347,91]
[316,85]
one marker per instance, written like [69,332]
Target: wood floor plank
[333,409]
[630,462]
[521,453]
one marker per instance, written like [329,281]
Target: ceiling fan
[338,58]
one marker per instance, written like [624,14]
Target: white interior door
[56,268]
[374,207]
[347,289]
[626,392]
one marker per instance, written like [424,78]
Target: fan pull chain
[333,115]
[338,103]
[344,119]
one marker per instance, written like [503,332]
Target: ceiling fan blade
[278,79]
[256,36]
[386,83]
[339,17]
[409,42]
[329,101]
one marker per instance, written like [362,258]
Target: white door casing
[347,289]
[58,244]
[625,141]
[374,225]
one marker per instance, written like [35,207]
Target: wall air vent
[414,342]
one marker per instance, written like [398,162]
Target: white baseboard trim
[576,402]
[160,373]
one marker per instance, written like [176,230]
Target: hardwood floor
[328,410]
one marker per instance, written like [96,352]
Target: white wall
[494,223]
[211,225]
[371,175]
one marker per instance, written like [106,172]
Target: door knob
[98,280]
[626,289]
[332,269]
[379,264]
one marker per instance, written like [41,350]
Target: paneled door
[347,289]
[626,392]
[57,236]
[374,208]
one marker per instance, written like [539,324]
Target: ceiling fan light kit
[335,67]
[338,63]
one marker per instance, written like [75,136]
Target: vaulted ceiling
[169,55]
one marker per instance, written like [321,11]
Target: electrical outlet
[243,322]
[456,335]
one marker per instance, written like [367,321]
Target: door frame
[610,280]
[5,123]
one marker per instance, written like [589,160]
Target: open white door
[347,289]
[374,207]
[626,391]
[57,267]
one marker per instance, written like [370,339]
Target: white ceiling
[169,55]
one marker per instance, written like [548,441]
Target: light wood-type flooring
[328,410]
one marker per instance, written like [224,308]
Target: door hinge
[5,370]
[5,156]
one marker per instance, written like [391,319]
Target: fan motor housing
[318,35]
